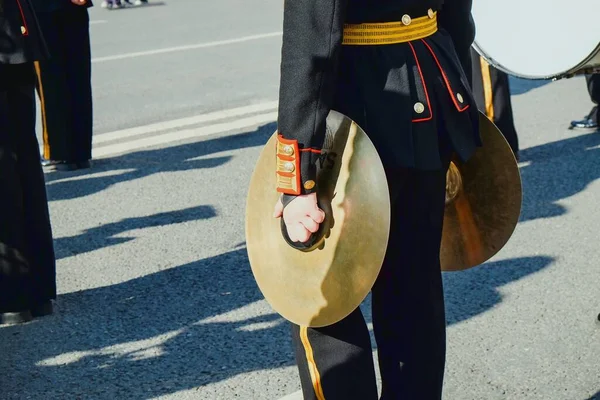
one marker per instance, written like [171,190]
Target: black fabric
[16,46]
[313,60]
[593,84]
[378,88]
[342,354]
[407,307]
[501,101]
[55,5]
[455,17]
[27,262]
[66,85]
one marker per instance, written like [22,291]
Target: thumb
[278,212]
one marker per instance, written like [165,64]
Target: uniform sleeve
[456,19]
[312,39]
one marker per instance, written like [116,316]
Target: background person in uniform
[491,88]
[64,83]
[27,261]
[590,121]
[413,99]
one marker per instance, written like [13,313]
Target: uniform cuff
[296,171]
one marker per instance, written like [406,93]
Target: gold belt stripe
[389,32]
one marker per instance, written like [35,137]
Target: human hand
[79,2]
[302,216]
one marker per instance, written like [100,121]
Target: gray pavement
[157,300]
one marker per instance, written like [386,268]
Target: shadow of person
[173,330]
[556,171]
[521,86]
[595,397]
[105,235]
[472,292]
[145,163]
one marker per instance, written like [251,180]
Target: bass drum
[539,39]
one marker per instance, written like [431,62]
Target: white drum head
[537,39]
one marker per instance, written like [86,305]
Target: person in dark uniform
[394,68]
[27,261]
[590,121]
[492,94]
[64,83]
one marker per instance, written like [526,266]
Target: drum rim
[569,72]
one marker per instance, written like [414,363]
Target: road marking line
[98,21]
[182,122]
[183,48]
[184,134]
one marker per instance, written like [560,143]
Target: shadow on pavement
[556,171]
[166,332]
[146,337]
[521,86]
[148,162]
[475,291]
[595,397]
[104,235]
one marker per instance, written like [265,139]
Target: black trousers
[492,94]
[27,262]
[593,84]
[64,85]
[335,362]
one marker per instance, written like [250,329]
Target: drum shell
[537,39]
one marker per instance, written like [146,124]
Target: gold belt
[406,30]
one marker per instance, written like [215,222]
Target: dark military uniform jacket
[20,37]
[411,98]
[43,6]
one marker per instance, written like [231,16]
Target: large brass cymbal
[320,287]
[483,202]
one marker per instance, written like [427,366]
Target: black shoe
[13,318]
[42,309]
[84,164]
[590,121]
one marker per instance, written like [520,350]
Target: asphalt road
[157,300]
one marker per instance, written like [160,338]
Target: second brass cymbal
[483,202]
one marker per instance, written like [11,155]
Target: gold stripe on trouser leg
[487,88]
[312,365]
[43,103]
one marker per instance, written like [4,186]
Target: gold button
[288,150]
[289,167]
[23,30]
[419,108]
[309,185]
[459,97]
[406,20]
[430,13]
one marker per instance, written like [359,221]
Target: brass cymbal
[323,285]
[483,202]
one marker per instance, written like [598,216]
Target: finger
[298,233]
[310,224]
[278,212]
[293,231]
[317,214]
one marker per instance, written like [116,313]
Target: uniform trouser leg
[64,86]
[593,84]
[27,262]
[335,362]
[492,94]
